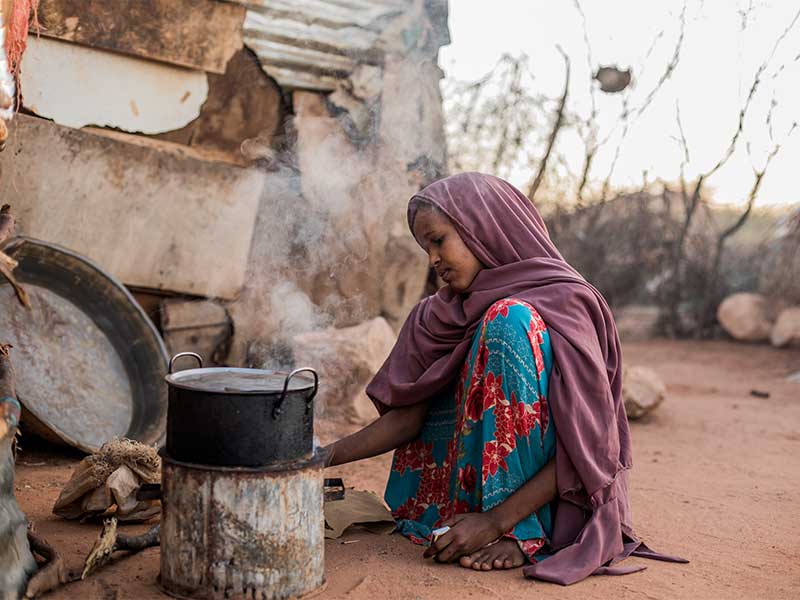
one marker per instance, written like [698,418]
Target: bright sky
[717,66]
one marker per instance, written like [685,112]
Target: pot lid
[232,380]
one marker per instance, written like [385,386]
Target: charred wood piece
[110,541]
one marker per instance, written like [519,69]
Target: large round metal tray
[90,365]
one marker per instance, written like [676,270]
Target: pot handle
[276,410]
[194,355]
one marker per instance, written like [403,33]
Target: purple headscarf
[504,231]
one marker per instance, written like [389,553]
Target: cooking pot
[229,416]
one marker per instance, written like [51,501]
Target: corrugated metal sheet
[311,44]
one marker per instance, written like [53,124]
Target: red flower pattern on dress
[493,391]
[526,416]
[537,323]
[494,458]
[481,360]
[460,507]
[544,414]
[504,425]
[411,510]
[434,486]
[439,486]
[473,406]
[500,308]
[467,478]
[413,456]
[528,547]
[531,547]
[452,455]
[536,338]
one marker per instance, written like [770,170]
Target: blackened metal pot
[239,417]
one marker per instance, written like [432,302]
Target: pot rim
[298,383]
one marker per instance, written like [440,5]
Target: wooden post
[16,561]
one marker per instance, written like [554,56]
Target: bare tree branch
[745,14]
[684,144]
[671,65]
[508,100]
[751,197]
[753,87]
[617,151]
[591,151]
[589,60]
[714,273]
[554,132]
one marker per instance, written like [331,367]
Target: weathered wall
[198,34]
[154,218]
[78,86]
[332,110]
[332,245]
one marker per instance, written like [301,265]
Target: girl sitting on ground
[502,399]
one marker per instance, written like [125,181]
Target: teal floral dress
[485,436]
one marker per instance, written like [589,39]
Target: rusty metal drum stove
[241,530]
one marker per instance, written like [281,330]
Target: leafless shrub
[611,244]
[779,274]
[669,246]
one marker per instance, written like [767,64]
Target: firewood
[50,575]
[110,541]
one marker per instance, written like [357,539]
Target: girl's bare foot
[504,554]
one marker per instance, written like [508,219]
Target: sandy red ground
[716,479]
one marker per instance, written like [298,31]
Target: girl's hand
[468,533]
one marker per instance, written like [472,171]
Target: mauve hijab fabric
[501,227]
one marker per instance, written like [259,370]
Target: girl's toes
[499,563]
[466,561]
[486,566]
[479,558]
[509,564]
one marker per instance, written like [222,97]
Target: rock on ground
[643,391]
[745,317]
[346,360]
[637,322]
[787,328]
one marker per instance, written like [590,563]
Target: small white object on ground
[438,532]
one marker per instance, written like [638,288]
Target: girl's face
[447,252]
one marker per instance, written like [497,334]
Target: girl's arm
[532,496]
[392,429]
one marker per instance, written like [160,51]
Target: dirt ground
[716,480]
